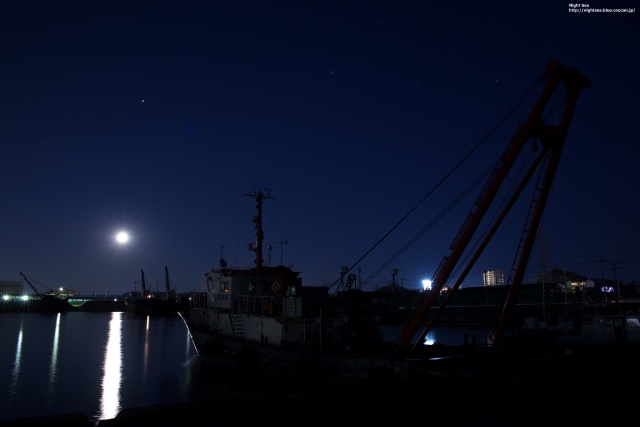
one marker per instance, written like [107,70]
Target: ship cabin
[270,291]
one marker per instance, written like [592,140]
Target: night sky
[159,118]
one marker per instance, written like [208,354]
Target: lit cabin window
[224,287]
[291,291]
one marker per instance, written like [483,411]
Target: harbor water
[99,364]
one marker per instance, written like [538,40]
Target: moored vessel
[262,318]
[148,303]
[39,302]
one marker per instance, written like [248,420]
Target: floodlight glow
[426,284]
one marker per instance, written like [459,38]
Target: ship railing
[255,304]
[266,305]
[198,300]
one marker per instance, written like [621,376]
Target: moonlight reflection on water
[112,378]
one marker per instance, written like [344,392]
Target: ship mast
[144,285]
[259,196]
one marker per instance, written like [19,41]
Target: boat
[143,302]
[169,303]
[263,319]
[148,303]
[37,302]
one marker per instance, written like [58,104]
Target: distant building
[11,287]
[16,288]
[66,293]
[581,285]
[493,278]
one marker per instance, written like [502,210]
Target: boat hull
[289,350]
[37,305]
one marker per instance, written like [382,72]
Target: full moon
[122,237]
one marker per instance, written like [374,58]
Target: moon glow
[122,237]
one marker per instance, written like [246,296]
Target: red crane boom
[552,138]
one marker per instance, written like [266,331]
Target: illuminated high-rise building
[493,278]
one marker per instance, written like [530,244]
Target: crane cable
[491,131]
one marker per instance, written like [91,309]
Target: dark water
[99,364]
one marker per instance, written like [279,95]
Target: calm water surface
[99,364]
